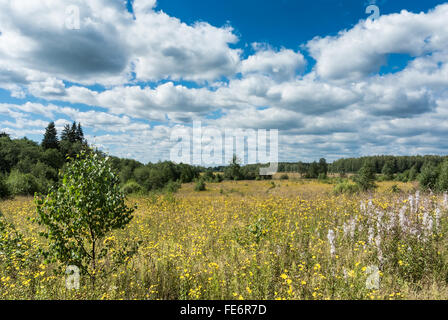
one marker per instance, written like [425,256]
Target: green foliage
[323,168]
[73,133]
[200,185]
[322,176]
[365,179]
[132,187]
[4,189]
[388,170]
[284,177]
[394,189]
[79,214]
[258,229]
[428,176]
[156,176]
[403,177]
[413,173]
[313,171]
[442,179]
[211,177]
[173,186]
[23,184]
[187,173]
[72,140]
[53,158]
[233,171]
[345,187]
[50,140]
[44,172]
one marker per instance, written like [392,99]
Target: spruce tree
[50,140]
[79,134]
[365,179]
[72,135]
[65,135]
[388,170]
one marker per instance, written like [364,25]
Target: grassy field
[288,239]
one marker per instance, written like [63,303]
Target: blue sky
[332,82]
[284,23]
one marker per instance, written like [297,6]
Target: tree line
[27,167]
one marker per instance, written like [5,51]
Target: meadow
[281,239]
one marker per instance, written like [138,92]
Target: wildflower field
[252,240]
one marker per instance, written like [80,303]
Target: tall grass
[297,241]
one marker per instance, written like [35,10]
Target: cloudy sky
[335,82]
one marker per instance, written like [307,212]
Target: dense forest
[27,167]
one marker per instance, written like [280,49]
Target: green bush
[394,189]
[200,185]
[24,184]
[413,173]
[173,186]
[78,216]
[322,176]
[132,187]
[42,171]
[345,187]
[428,176]
[365,179]
[403,177]
[284,177]
[388,170]
[4,189]
[442,180]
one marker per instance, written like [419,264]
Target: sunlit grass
[253,240]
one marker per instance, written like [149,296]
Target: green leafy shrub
[428,176]
[173,186]
[365,179]
[200,185]
[442,179]
[132,187]
[345,187]
[4,189]
[79,215]
[395,189]
[284,177]
[322,176]
[403,177]
[23,183]
[413,173]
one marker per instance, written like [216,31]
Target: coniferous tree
[442,179]
[72,135]
[313,171]
[365,179]
[233,171]
[50,140]
[428,176]
[388,170]
[79,135]
[323,167]
[65,135]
